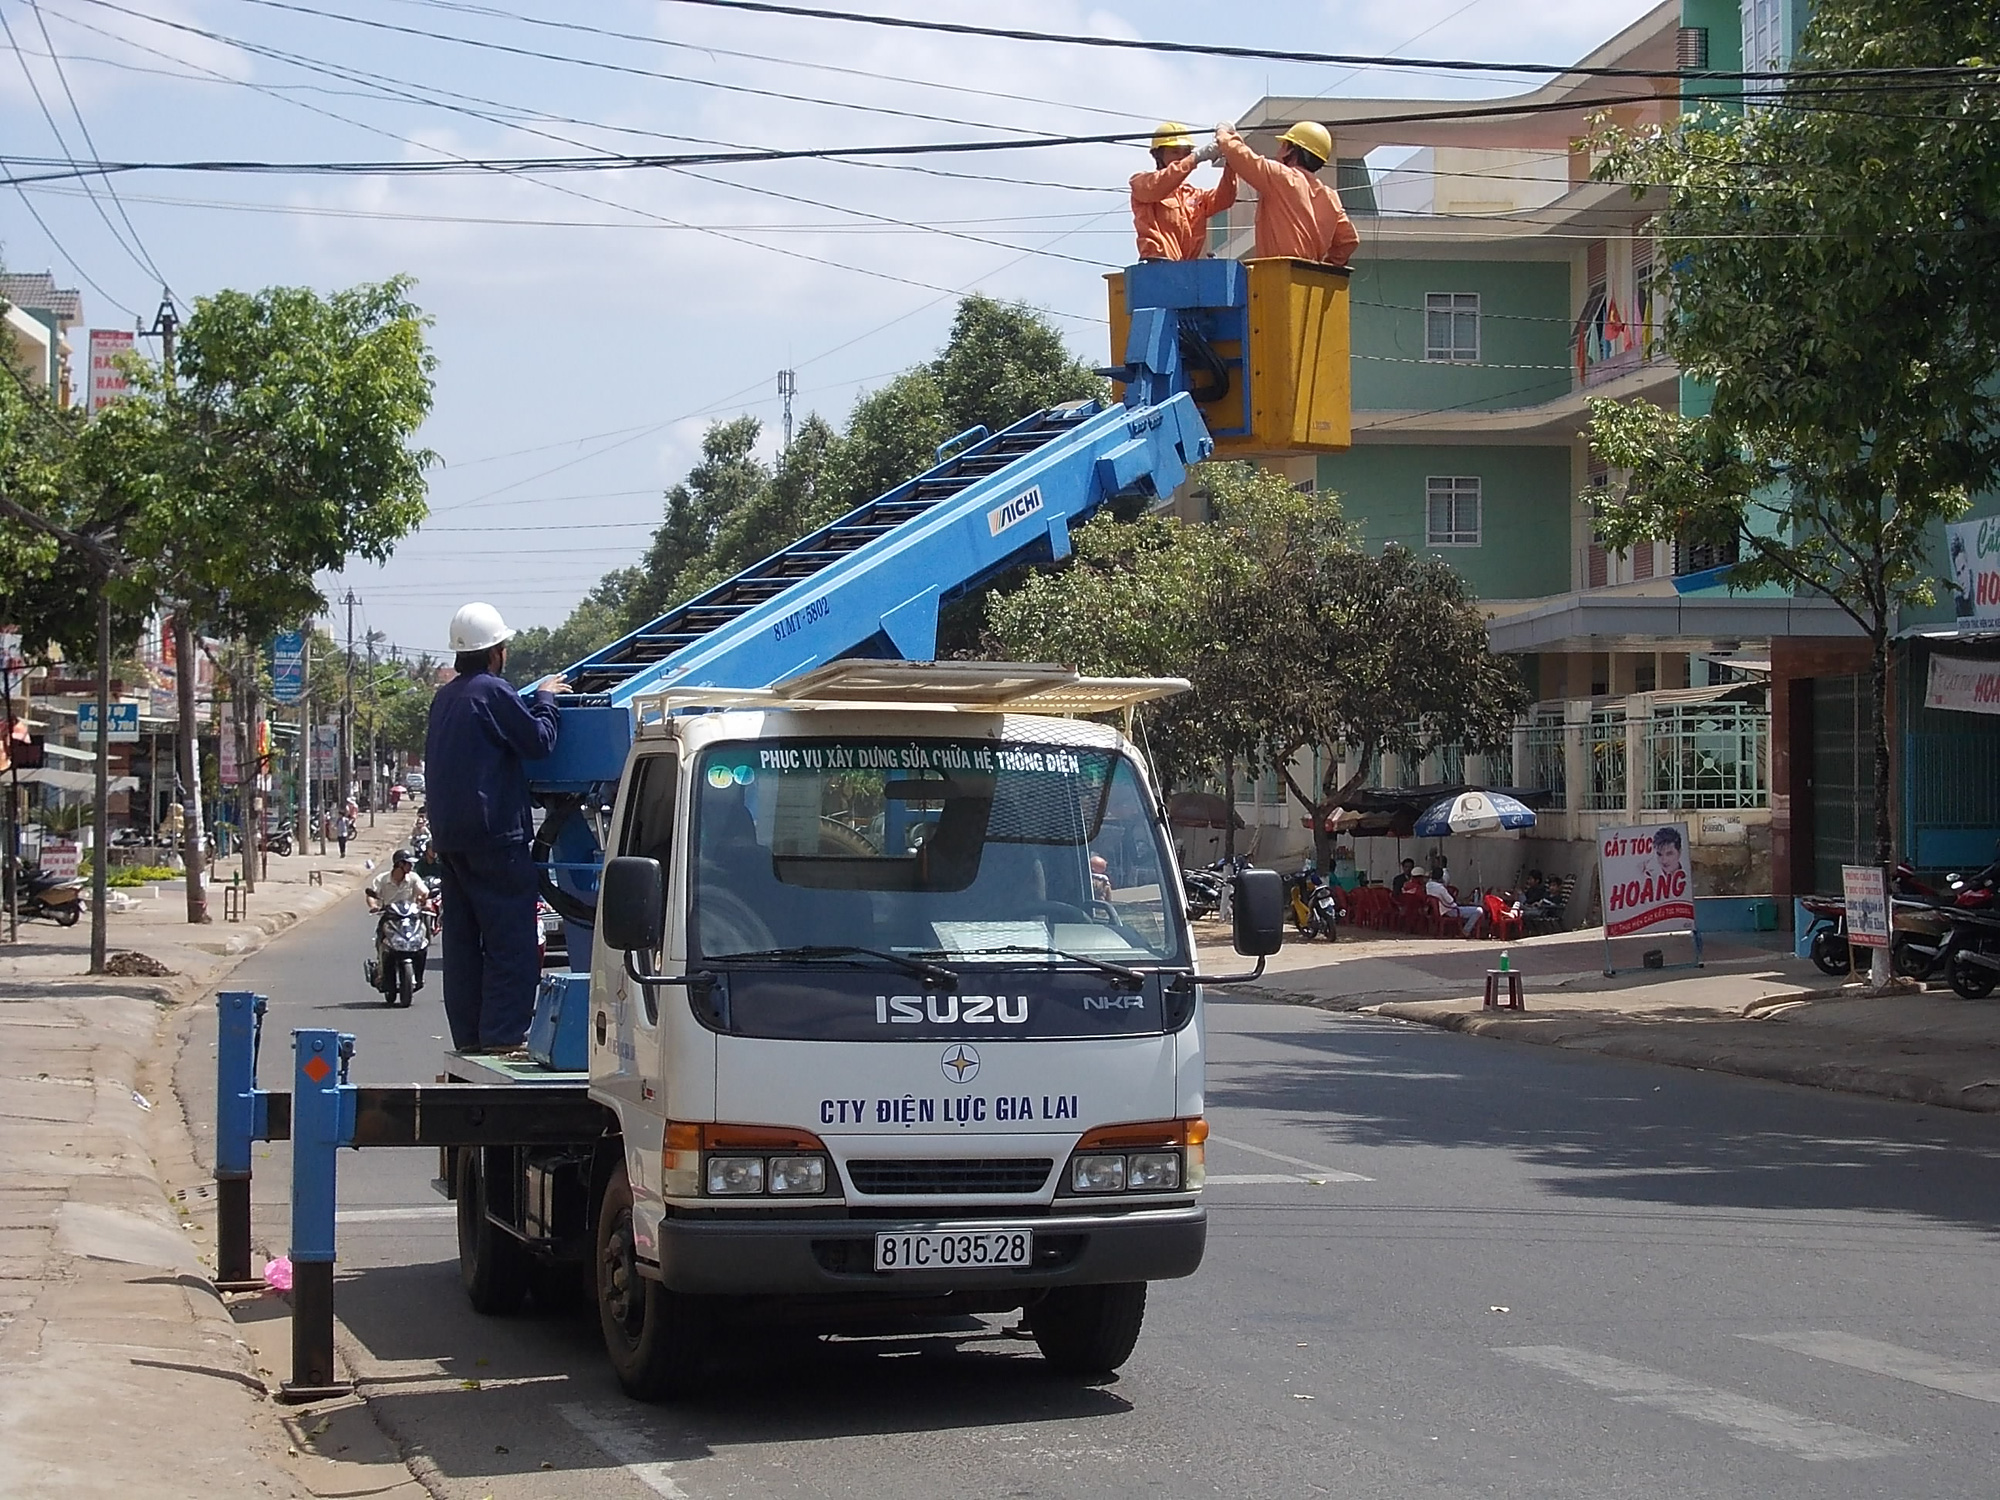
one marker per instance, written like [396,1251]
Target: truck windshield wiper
[844,950]
[1103,966]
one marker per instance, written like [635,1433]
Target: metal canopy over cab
[1018,687]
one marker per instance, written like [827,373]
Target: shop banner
[1963,686]
[1974,547]
[1644,875]
[61,859]
[1867,894]
[288,666]
[108,383]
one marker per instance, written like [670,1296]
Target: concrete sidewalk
[1752,1009]
[121,1374]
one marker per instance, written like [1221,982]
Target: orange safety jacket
[1298,216]
[1171,215]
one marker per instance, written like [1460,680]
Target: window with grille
[1451,326]
[1453,511]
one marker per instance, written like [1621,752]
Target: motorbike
[1315,907]
[1972,966]
[1827,937]
[402,946]
[41,895]
[277,839]
[1208,887]
[1925,940]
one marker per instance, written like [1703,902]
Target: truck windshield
[945,847]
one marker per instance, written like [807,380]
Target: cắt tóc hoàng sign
[1645,878]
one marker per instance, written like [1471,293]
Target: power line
[62,76]
[53,170]
[1274,54]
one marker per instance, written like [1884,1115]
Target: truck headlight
[803,1175]
[1153,1171]
[1097,1174]
[732,1176]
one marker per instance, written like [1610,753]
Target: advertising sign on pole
[288,666]
[227,763]
[61,859]
[10,651]
[124,723]
[1974,548]
[1867,893]
[107,382]
[325,750]
[1962,685]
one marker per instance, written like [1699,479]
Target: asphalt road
[1439,1266]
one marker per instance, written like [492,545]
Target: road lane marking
[624,1439]
[1312,1168]
[1754,1421]
[1955,1376]
[395,1215]
[1261,1179]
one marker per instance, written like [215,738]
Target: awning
[1391,812]
[77,781]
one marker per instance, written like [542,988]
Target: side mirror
[1259,912]
[632,904]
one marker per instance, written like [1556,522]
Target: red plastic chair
[1500,920]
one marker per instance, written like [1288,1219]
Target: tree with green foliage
[1297,640]
[1831,275]
[276,443]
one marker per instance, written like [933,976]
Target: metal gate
[1843,790]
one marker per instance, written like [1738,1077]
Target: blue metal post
[239,1122]
[322,1122]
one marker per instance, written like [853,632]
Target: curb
[1614,1037]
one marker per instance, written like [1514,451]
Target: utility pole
[166,324]
[347,711]
[788,387]
[374,729]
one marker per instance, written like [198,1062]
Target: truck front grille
[951,1175]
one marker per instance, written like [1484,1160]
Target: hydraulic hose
[571,907]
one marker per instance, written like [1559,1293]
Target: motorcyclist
[395,886]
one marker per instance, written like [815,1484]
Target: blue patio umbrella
[1473,812]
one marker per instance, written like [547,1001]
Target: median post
[322,1122]
[239,1022]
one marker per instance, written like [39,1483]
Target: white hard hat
[478,627]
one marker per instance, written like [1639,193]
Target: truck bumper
[734,1257]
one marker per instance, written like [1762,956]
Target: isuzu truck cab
[894,1012]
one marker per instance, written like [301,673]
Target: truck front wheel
[1088,1330]
[655,1338]
[492,1264]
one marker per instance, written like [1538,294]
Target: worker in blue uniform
[482,827]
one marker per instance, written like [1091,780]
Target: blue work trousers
[492,950]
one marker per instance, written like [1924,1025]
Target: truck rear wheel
[656,1339]
[492,1264]
[1088,1330]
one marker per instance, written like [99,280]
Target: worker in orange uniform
[1169,213]
[1298,216]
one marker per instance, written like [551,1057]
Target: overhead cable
[1278,54]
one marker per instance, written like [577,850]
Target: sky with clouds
[588,327]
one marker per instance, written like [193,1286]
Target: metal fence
[1708,755]
[1548,767]
[1604,755]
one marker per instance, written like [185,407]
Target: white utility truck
[893,1012]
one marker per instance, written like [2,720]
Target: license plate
[954,1250]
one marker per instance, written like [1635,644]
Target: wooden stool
[313,876]
[234,902]
[1514,998]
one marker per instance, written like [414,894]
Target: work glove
[1211,152]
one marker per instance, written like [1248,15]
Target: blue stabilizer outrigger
[244,1115]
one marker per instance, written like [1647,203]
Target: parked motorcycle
[1315,907]
[41,895]
[1208,887]
[1827,941]
[1972,967]
[402,946]
[277,839]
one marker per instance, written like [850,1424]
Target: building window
[1763,41]
[1454,511]
[1451,326]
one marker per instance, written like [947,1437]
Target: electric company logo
[1018,509]
[951,1010]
